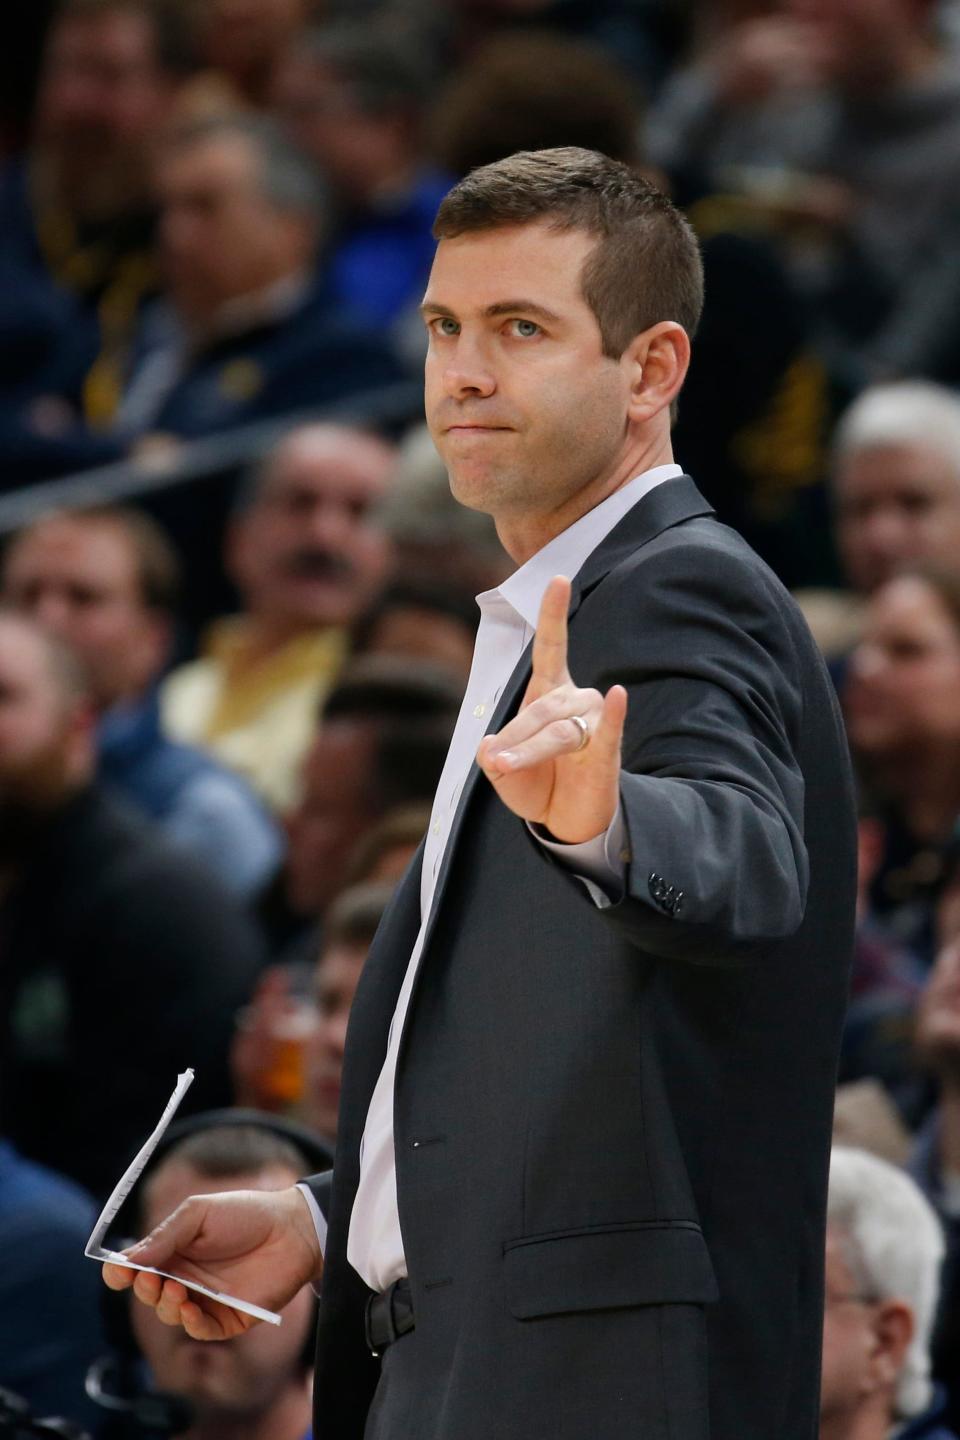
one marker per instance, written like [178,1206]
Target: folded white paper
[95,1249]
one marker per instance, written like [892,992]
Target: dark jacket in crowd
[312,353]
[124,961]
[50,1328]
[931,1425]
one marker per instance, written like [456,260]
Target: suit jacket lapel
[663,507]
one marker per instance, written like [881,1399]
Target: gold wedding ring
[584,729]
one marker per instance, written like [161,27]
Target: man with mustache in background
[307,558]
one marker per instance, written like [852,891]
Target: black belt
[388,1316]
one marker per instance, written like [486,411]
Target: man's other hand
[538,764]
[259,1245]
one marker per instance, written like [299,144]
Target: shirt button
[436,827]
[479,711]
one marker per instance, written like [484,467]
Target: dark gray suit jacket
[613,1126]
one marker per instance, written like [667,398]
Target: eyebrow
[502,307]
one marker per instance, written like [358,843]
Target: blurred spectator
[532,87]
[76,216]
[49,1291]
[259,1386]
[288,1053]
[105,581]
[243,40]
[841,119]
[353,96]
[935,1163]
[902,706]
[385,851]
[642,35]
[381,743]
[247,331]
[348,934]
[423,621]
[102,923]
[896,500]
[896,481]
[432,533]
[937,1158]
[886,983]
[307,555]
[884,1248]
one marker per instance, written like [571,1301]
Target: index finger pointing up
[550,640]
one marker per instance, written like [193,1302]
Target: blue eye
[527,328]
[446,326]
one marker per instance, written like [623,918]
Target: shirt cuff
[600,864]
[316,1215]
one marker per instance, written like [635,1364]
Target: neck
[286,1419]
[522,535]
[268,634]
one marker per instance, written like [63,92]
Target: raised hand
[259,1245]
[540,764]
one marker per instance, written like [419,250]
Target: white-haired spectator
[897,480]
[883,1257]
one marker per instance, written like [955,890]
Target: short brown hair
[356,913]
[156,560]
[646,265]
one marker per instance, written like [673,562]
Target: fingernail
[506,759]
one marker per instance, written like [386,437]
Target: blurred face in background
[337,975]
[862,41]
[307,551]
[80,580]
[903,692]
[253,1373]
[103,96]
[895,505]
[424,634]
[220,237]
[357,149]
[335,810]
[243,38]
[46,747]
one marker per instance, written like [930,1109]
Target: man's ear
[893,1330]
[656,364]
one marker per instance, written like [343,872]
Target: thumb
[171,1237]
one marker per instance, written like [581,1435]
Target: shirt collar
[566,552]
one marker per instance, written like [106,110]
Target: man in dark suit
[583,1142]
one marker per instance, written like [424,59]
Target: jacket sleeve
[712,790]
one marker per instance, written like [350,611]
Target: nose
[51,610]
[467,372]
[330,523]
[885,533]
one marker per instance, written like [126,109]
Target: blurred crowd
[237,602]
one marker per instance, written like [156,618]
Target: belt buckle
[386,1299]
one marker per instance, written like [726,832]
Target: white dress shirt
[508,619]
